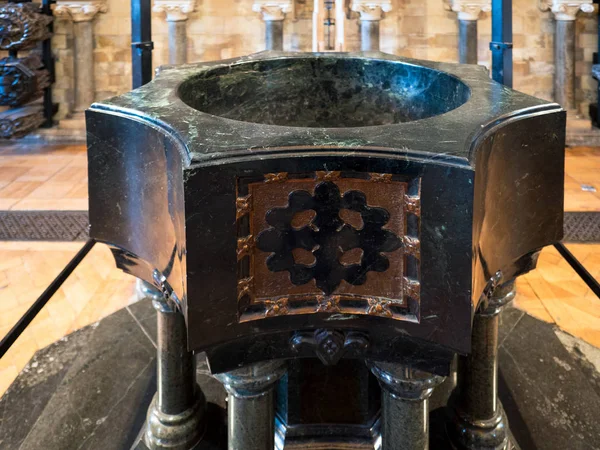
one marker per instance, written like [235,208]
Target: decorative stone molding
[79,10]
[272,9]
[175,10]
[371,10]
[469,9]
[566,9]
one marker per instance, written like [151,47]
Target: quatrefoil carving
[327,236]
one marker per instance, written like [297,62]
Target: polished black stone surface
[325,92]
[168,164]
[91,389]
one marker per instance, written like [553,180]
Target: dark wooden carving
[17,122]
[22,80]
[328,242]
[22,26]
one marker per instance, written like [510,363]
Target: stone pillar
[176,13]
[479,420]
[565,13]
[371,13]
[468,12]
[251,405]
[82,14]
[176,416]
[404,410]
[273,13]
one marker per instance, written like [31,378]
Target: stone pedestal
[468,12]
[176,13]
[371,13]
[565,13]
[82,14]
[404,408]
[479,420]
[273,14]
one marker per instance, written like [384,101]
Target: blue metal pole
[501,45]
[141,42]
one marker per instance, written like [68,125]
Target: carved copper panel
[328,242]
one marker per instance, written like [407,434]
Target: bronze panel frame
[264,294]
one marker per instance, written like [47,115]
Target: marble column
[404,405]
[468,12]
[371,13]
[565,13]
[176,13]
[273,14]
[479,420]
[251,405]
[176,417]
[82,14]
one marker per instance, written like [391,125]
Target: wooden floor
[55,178]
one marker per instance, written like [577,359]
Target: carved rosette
[272,9]
[22,26]
[371,10]
[469,9]
[174,10]
[79,11]
[327,242]
[330,345]
[567,10]
[22,80]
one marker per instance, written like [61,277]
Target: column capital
[469,9]
[80,10]
[371,9]
[252,380]
[405,382]
[272,9]
[175,10]
[566,9]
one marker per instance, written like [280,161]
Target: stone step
[72,124]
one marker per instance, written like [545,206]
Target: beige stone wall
[415,28]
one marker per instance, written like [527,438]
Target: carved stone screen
[328,242]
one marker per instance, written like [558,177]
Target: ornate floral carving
[79,10]
[328,304]
[22,26]
[245,246]
[277,307]
[245,287]
[380,307]
[243,206]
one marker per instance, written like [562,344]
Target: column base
[173,431]
[468,434]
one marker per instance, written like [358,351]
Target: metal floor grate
[73,226]
[43,225]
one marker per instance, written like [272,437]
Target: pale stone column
[176,13]
[565,13]
[82,14]
[273,13]
[468,12]
[371,13]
